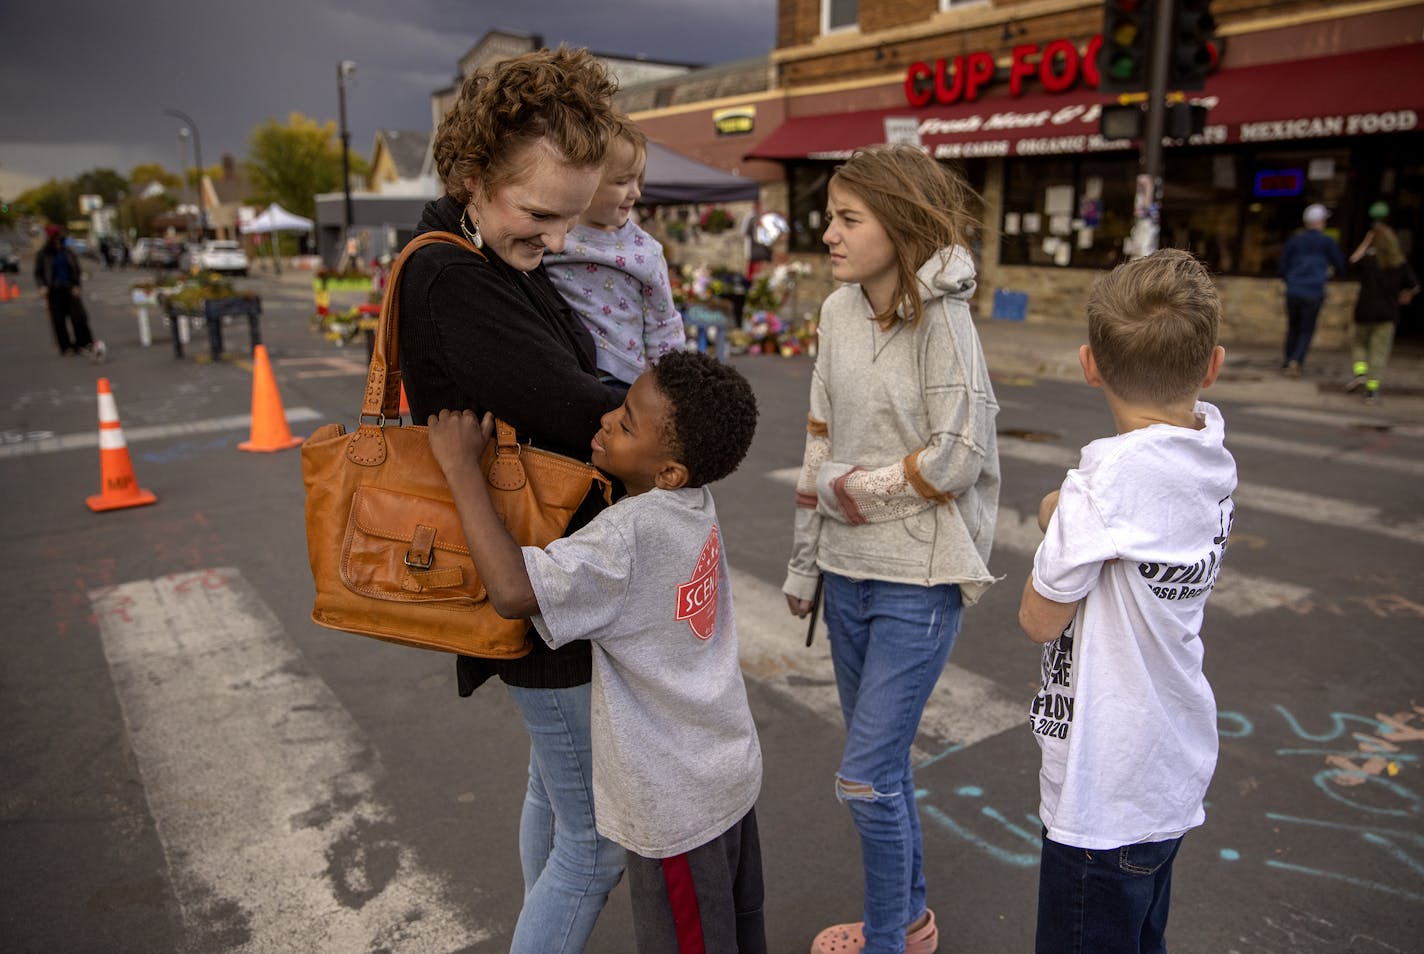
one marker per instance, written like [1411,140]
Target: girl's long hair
[1386,245]
[922,204]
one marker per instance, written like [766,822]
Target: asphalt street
[191,765]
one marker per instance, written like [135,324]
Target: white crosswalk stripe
[1298,505]
[260,784]
[1338,419]
[51,443]
[963,709]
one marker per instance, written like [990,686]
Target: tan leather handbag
[387,553]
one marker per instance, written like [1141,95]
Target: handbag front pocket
[406,548]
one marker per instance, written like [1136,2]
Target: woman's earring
[475,238]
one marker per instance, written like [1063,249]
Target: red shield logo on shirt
[697,598]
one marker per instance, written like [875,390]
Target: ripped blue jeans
[889,644]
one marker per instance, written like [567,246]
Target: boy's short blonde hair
[1152,327]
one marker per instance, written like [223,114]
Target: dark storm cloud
[86,82]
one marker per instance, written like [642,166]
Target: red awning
[1351,94]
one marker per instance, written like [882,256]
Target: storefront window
[807,184]
[1232,208]
[1066,211]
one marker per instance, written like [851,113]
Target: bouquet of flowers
[716,219]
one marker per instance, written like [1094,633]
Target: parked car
[9,258]
[221,256]
[156,253]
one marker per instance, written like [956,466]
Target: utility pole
[344,69]
[1147,227]
[197,158]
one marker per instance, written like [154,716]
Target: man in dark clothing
[1306,261]
[57,271]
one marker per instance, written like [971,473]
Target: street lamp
[198,158]
[344,69]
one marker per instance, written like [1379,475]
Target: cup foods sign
[1057,66]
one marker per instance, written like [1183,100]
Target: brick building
[1309,102]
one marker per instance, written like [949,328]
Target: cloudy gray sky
[83,83]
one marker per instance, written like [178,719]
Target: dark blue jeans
[1300,326]
[1110,901]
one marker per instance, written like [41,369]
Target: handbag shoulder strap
[383,377]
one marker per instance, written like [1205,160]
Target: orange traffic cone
[120,487]
[269,422]
[4,288]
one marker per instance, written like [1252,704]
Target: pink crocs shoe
[850,938]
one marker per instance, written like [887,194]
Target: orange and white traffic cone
[120,486]
[269,422]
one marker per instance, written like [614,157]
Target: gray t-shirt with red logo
[676,761]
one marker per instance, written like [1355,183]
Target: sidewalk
[1251,373]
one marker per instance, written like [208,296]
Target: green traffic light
[1122,66]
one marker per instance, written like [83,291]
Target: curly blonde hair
[563,96]
[922,204]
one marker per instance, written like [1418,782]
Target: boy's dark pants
[1112,901]
[706,901]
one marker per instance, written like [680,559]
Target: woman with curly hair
[896,502]
[520,155]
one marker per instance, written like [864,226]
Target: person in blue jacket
[1306,263]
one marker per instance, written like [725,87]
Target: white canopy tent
[272,220]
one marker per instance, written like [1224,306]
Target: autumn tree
[54,201]
[293,163]
[142,176]
[105,183]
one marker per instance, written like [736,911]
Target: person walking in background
[1386,283]
[57,271]
[676,762]
[1134,539]
[896,502]
[1306,263]
[613,273]
[520,155]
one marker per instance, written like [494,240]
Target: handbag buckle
[421,553]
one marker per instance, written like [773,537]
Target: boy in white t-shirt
[1133,542]
[676,762]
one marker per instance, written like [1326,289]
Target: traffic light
[1193,49]
[1127,38]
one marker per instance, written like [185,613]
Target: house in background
[401,164]
[227,200]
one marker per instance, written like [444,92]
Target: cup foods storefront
[1343,130]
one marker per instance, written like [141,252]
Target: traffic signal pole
[1147,225]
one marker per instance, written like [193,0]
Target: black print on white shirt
[1173,582]
[1051,714]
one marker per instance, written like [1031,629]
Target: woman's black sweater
[479,334]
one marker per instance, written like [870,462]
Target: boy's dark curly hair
[713,414]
